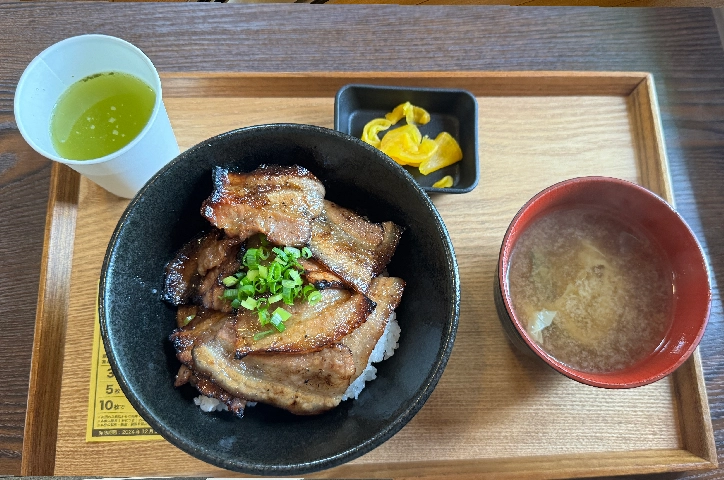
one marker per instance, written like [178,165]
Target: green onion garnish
[269,275]
[314,297]
[249,303]
[261,335]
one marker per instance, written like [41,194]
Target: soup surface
[594,293]
[100,114]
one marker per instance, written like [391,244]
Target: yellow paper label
[111,418]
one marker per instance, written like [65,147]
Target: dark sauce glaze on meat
[307,368]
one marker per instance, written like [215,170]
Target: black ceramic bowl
[451,110]
[136,323]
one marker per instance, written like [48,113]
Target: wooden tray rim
[699,449]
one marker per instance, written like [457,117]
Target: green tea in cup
[100,114]
[95,104]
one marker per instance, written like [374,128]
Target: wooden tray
[495,412]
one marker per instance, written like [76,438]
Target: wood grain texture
[24,177]
[527,142]
[680,47]
[544,3]
[490,84]
[50,324]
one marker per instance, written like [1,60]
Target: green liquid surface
[100,114]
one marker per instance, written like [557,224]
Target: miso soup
[595,293]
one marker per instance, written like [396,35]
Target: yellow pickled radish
[444,182]
[413,115]
[371,132]
[448,153]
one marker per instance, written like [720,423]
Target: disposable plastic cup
[124,171]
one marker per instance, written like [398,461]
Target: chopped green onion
[230,294]
[189,318]
[279,317]
[263,271]
[247,290]
[269,275]
[295,276]
[260,285]
[280,253]
[275,271]
[288,295]
[314,297]
[250,259]
[249,303]
[283,314]
[263,316]
[292,252]
[260,335]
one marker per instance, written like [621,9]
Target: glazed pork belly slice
[352,247]
[195,274]
[305,383]
[386,293]
[311,327]
[280,202]
[318,275]
[206,325]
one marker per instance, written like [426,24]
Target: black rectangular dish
[452,111]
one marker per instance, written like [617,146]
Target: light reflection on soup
[594,293]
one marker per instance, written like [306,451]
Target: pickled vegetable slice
[444,182]
[448,152]
[371,132]
[413,115]
[406,146]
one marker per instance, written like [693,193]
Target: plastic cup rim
[81,38]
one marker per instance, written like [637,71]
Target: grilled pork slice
[304,384]
[206,325]
[311,327]
[386,292]
[352,247]
[319,276]
[280,202]
[195,274]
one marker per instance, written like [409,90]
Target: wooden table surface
[681,47]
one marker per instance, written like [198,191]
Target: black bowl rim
[451,190]
[416,402]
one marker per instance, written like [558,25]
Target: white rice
[209,404]
[384,349]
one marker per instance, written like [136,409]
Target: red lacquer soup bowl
[650,216]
